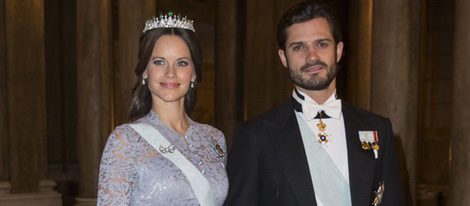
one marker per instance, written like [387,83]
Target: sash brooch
[169,149]
[370,140]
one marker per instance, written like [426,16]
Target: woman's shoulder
[206,127]
[208,130]
[123,128]
[124,132]
[213,135]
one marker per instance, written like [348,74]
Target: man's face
[311,54]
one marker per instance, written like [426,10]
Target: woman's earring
[192,84]
[143,81]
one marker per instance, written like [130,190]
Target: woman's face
[170,70]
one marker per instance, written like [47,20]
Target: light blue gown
[133,173]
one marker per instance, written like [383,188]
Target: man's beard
[314,81]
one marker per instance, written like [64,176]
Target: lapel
[287,143]
[361,163]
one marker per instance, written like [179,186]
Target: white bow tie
[310,109]
[332,108]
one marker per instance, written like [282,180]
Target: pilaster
[459,191]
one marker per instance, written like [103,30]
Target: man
[314,149]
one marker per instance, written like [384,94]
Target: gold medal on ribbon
[370,141]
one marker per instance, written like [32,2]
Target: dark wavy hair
[305,11]
[141,97]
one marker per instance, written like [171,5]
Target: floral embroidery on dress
[132,172]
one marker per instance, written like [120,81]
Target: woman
[162,157]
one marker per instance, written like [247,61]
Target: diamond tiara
[169,21]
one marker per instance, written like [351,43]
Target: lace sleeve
[117,169]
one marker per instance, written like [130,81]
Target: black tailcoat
[267,163]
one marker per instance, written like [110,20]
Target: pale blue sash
[331,187]
[199,183]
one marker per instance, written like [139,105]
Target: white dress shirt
[336,146]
